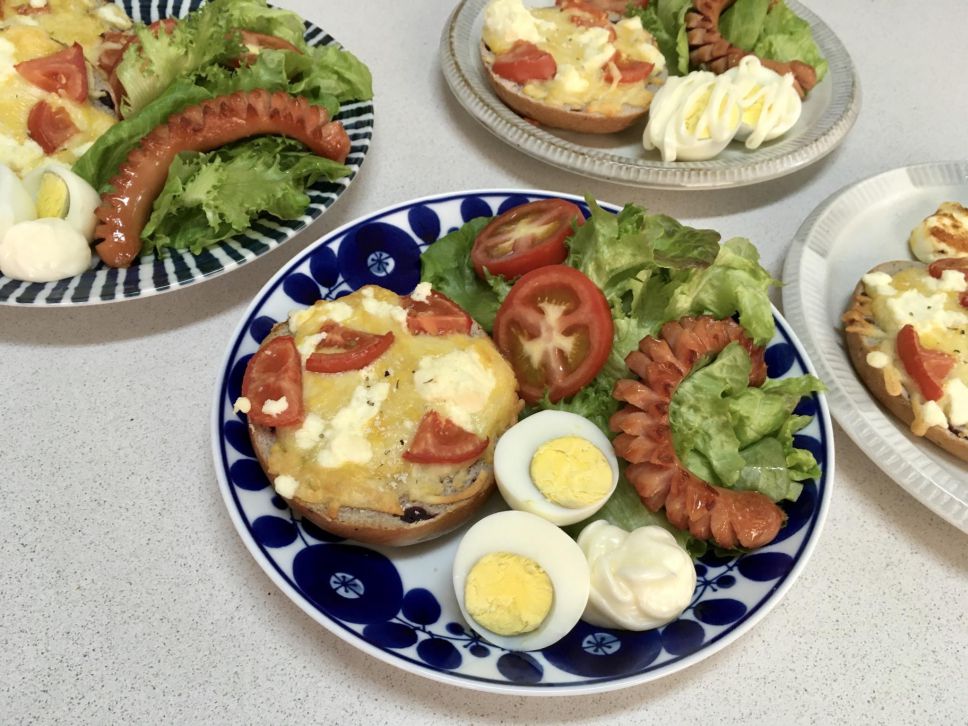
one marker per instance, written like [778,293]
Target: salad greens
[191,64]
[652,269]
[768,28]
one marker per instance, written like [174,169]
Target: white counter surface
[127,596]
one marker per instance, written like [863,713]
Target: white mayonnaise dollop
[43,250]
[639,580]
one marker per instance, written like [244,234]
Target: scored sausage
[709,49]
[124,211]
[729,518]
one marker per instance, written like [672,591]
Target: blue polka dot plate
[398,604]
[152,275]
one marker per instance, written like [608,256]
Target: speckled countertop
[127,596]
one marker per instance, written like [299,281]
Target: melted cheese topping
[24,37]
[349,449]
[581,54]
[932,306]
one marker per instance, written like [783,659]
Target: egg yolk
[571,472]
[508,594]
[53,197]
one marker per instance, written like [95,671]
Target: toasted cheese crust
[890,296]
[585,94]
[344,466]
[943,234]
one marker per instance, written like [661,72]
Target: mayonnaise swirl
[694,117]
[639,580]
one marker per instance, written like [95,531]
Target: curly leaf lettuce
[210,197]
[733,435]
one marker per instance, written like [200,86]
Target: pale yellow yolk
[508,594]
[571,472]
[53,197]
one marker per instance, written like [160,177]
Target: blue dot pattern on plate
[393,605]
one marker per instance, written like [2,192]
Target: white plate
[828,113]
[151,275]
[398,604]
[856,228]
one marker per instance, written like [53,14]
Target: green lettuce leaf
[205,37]
[787,37]
[209,197]
[742,23]
[447,266]
[665,20]
[741,437]
[735,282]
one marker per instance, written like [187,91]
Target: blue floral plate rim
[231,494]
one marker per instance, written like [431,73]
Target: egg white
[16,204]
[83,199]
[558,554]
[516,448]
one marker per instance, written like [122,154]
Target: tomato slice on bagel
[629,69]
[50,127]
[927,367]
[555,327]
[63,72]
[345,349]
[274,372]
[525,62]
[525,238]
[937,268]
[437,315]
[440,441]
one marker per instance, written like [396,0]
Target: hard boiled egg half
[520,582]
[46,223]
[557,465]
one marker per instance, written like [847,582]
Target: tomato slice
[50,127]
[274,372]
[927,367]
[525,62]
[555,328]
[355,349]
[629,69]
[525,237]
[63,72]
[440,441]
[28,9]
[437,315]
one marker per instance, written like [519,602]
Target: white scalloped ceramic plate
[854,229]
[828,114]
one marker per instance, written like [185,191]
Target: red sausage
[730,518]
[209,125]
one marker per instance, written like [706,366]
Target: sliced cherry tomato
[555,328]
[525,62]
[440,441]
[584,14]
[28,9]
[525,237]
[948,263]
[63,72]
[927,367]
[166,24]
[257,42]
[50,127]
[437,315]
[354,349]
[274,372]
[629,69]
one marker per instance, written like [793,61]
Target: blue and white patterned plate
[152,275]
[398,604]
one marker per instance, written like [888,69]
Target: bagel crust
[465,488]
[558,117]
[862,335]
